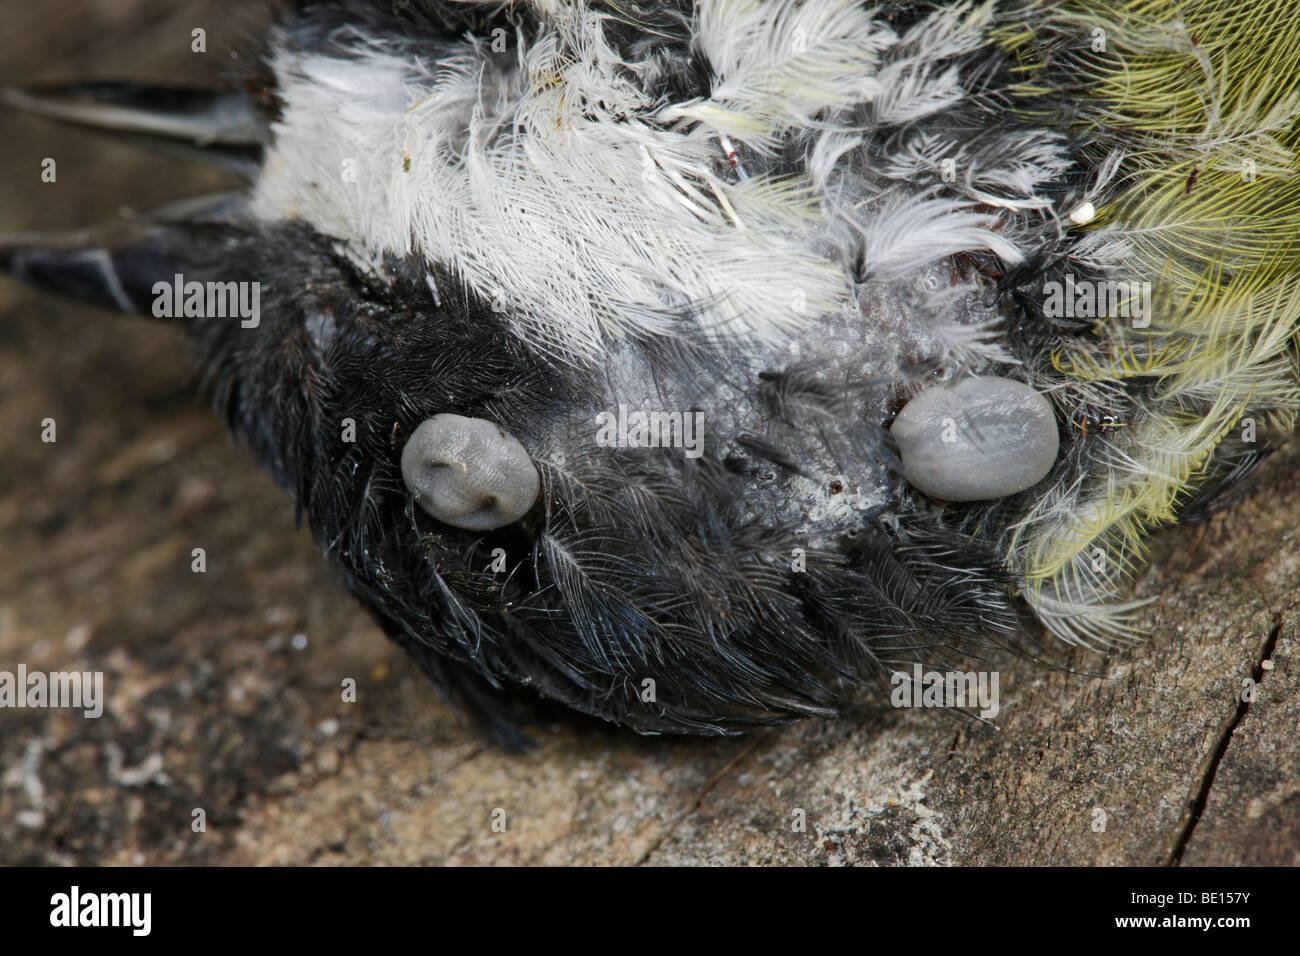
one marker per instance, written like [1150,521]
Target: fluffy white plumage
[548,179]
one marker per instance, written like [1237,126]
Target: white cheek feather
[554,185]
[781,65]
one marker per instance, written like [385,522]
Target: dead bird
[689,364]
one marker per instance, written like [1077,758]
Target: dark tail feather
[117,266]
[213,127]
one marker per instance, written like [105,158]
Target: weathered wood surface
[210,704]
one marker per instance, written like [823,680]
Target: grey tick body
[468,473]
[981,438]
